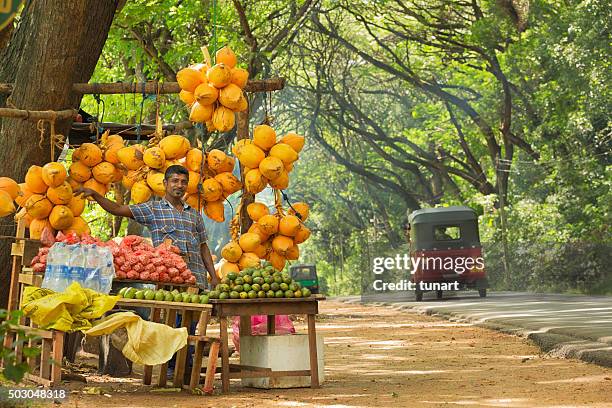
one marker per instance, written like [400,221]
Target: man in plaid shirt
[170,218]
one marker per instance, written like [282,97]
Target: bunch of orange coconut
[272,237]
[48,200]
[214,92]
[267,161]
[146,167]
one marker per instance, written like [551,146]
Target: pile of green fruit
[162,295]
[259,282]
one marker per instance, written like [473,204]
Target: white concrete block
[280,353]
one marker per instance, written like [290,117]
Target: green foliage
[12,370]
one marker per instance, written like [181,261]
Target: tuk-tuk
[445,238]
[305,275]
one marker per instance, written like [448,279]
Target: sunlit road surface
[570,325]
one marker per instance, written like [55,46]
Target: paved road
[565,325]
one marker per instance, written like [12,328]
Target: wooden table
[245,308]
[191,312]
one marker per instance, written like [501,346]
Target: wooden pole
[264,85]
[38,115]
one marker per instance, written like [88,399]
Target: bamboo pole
[38,115]
[264,85]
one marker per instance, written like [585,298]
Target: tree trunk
[56,44]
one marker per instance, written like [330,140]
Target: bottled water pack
[90,265]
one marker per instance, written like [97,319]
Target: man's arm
[208,263]
[108,205]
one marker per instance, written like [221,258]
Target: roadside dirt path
[375,356]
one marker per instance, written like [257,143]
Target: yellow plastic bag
[66,311]
[148,343]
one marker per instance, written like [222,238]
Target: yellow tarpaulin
[68,311]
[148,343]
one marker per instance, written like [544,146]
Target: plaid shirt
[185,229]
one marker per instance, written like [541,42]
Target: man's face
[176,185]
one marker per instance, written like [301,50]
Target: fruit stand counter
[245,308]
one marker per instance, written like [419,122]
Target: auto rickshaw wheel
[482,292]
[439,294]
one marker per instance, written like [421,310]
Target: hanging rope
[55,139]
[286,198]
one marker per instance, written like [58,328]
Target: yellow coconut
[237,148]
[224,119]
[302,208]
[212,190]
[187,97]
[38,206]
[195,201]
[288,167]
[257,210]
[194,179]
[269,224]
[189,79]
[174,146]
[289,225]
[154,157]
[256,228]
[240,77]
[231,251]
[228,267]
[219,75]
[155,181]
[284,152]
[110,154]
[61,217]
[271,167]
[140,192]
[248,260]
[293,253]
[230,95]
[226,56]
[227,165]
[193,159]
[95,185]
[229,183]
[242,105]
[206,94]
[117,175]
[61,194]
[249,241]
[261,251]
[281,182]
[251,155]
[302,234]
[281,244]
[111,140]
[34,180]
[294,140]
[215,159]
[79,172]
[130,178]
[170,163]
[104,172]
[90,154]
[38,226]
[264,137]
[130,157]
[215,210]
[7,206]
[201,113]
[10,186]
[79,226]
[73,183]
[278,261]
[254,181]
[76,205]
[25,194]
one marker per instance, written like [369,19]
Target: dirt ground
[376,356]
